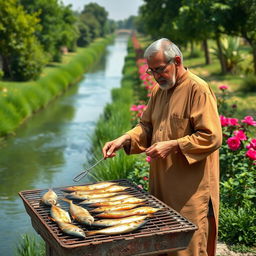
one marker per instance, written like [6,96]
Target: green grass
[19,100]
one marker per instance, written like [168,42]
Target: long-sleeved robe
[186,180]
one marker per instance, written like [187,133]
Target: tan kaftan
[186,180]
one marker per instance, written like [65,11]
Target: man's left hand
[162,149]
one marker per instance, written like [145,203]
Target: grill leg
[49,251]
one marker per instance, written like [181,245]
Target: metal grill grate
[166,221]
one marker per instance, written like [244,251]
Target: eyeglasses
[159,70]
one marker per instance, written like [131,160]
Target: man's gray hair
[170,50]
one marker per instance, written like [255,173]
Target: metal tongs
[86,171]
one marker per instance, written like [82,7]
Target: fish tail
[52,219]
[66,200]
[91,233]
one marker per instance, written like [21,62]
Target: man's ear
[177,60]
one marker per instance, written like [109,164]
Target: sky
[117,9]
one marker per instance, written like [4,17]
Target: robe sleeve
[141,134]
[207,135]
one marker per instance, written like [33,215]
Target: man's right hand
[111,147]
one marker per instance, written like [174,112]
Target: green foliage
[140,173]
[238,225]
[57,25]
[21,53]
[248,84]
[19,100]
[231,52]
[99,14]
[118,167]
[28,246]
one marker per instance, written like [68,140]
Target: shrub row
[18,101]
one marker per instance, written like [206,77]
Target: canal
[52,146]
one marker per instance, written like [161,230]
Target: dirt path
[222,250]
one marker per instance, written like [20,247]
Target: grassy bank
[19,100]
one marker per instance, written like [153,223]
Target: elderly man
[180,130]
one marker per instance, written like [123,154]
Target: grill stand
[151,240]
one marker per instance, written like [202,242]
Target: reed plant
[29,246]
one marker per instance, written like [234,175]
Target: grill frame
[166,231]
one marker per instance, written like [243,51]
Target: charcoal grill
[166,231]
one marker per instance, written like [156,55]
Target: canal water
[52,146]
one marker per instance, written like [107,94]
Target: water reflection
[50,148]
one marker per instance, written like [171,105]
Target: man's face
[163,72]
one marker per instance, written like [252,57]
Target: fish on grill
[104,199]
[121,214]
[109,189]
[78,196]
[79,213]
[49,198]
[100,185]
[113,222]
[128,200]
[60,215]
[118,229]
[71,229]
[116,207]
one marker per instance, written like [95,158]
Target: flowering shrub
[137,111]
[238,160]
[140,173]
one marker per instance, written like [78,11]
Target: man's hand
[111,147]
[162,149]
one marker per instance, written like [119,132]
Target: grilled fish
[129,200]
[118,229]
[99,185]
[116,207]
[71,229]
[78,196]
[60,215]
[109,189]
[50,198]
[104,199]
[121,214]
[79,213]
[113,222]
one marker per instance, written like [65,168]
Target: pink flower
[233,121]
[140,186]
[233,143]
[145,178]
[148,159]
[223,87]
[251,153]
[249,120]
[134,108]
[141,107]
[240,135]
[253,144]
[223,121]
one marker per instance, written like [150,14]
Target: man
[180,130]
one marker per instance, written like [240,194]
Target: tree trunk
[254,57]
[6,67]
[221,56]
[206,52]
[191,48]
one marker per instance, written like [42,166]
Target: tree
[57,22]
[159,18]
[99,13]
[240,20]
[21,53]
